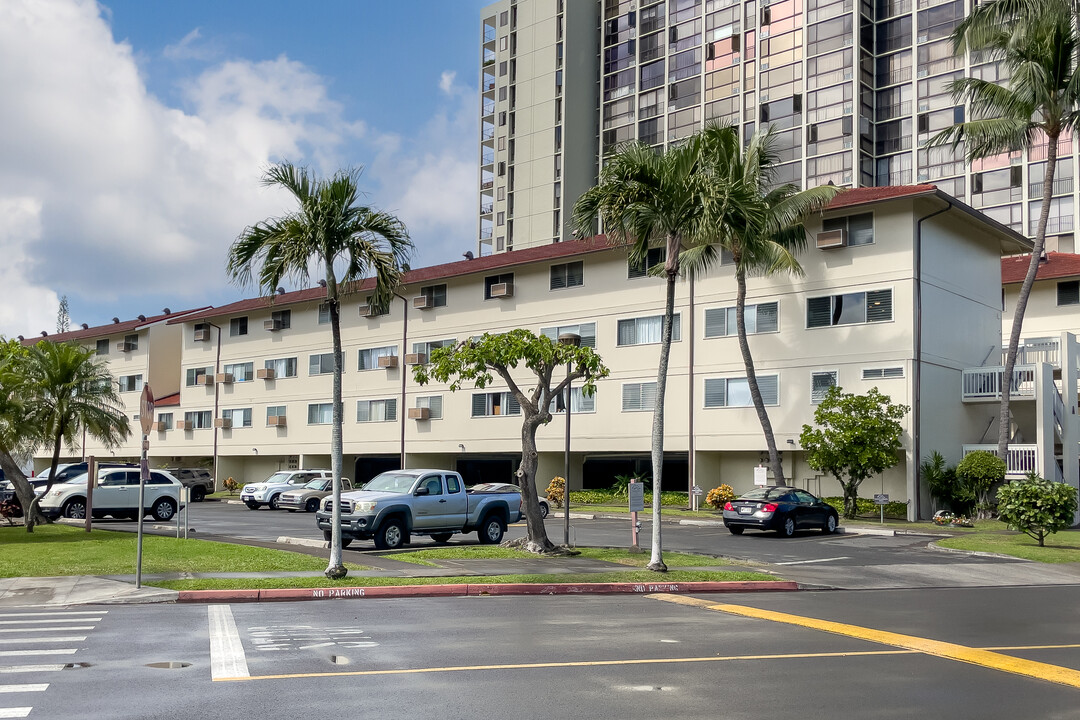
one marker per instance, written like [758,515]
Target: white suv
[116,494]
[269,490]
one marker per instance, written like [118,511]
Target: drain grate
[169,665]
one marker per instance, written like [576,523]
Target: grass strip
[613,555]
[1061,548]
[54,550]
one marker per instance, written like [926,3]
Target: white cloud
[190,48]
[446,81]
[31,308]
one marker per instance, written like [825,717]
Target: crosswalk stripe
[19,712]
[30,668]
[11,641]
[54,614]
[57,620]
[66,628]
[38,687]
[16,653]
[227,657]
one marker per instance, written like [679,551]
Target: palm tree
[18,435]
[763,237]
[644,199]
[1037,43]
[349,241]
[67,389]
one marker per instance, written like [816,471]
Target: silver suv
[268,492]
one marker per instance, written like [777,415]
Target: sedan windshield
[391,483]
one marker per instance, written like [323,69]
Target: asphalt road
[598,657]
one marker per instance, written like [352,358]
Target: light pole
[574,340]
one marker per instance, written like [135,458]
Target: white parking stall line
[65,628]
[18,653]
[227,659]
[54,614]
[808,562]
[12,641]
[19,712]
[30,668]
[57,620]
[38,687]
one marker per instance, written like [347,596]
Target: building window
[320,413]
[132,341]
[282,367]
[735,392]
[849,309]
[282,318]
[193,375]
[646,330]
[435,294]
[274,411]
[241,418]
[760,318]
[198,420]
[653,257]
[425,348]
[638,396]
[369,357]
[130,383]
[376,410]
[587,331]
[820,382]
[324,313]
[241,372]
[103,347]
[372,309]
[859,228]
[238,326]
[491,280]
[496,403]
[567,275]
[165,421]
[578,402]
[324,364]
[888,373]
[1068,292]
[434,405]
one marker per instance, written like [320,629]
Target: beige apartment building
[901,291]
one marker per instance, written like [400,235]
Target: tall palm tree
[1037,43]
[349,241]
[644,199]
[68,389]
[763,237]
[18,434]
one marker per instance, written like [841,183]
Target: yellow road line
[950,651]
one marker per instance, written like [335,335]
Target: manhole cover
[170,665]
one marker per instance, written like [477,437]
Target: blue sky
[135,132]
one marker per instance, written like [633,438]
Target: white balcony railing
[984,383]
[1019,461]
[1033,353]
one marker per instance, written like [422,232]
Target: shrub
[231,485]
[979,472]
[945,487]
[865,506]
[622,483]
[9,510]
[719,495]
[555,490]
[1037,507]
[609,497]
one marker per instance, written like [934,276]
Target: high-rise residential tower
[852,91]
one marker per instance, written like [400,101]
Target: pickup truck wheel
[442,537]
[75,508]
[346,542]
[329,536]
[391,535]
[312,505]
[198,493]
[252,505]
[491,532]
[274,501]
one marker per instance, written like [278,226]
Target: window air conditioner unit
[265,374]
[202,335]
[421,302]
[224,423]
[225,378]
[505,289]
[276,421]
[416,359]
[388,361]
[369,312]
[206,380]
[272,325]
[831,239]
[182,425]
[125,347]
[419,413]
[160,427]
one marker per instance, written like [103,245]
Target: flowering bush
[947,519]
[9,510]
[719,495]
[555,491]
[231,485]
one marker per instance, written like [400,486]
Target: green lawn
[623,557]
[1060,548]
[53,550]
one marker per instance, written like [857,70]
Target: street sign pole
[146,419]
[636,495]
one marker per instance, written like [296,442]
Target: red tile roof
[170,401]
[1057,265]
[866,195]
[114,328]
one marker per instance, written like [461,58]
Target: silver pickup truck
[398,504]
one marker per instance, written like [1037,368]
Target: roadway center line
[949,651]
[227,659]
[39,687]
[807,562]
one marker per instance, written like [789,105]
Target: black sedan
[779,508]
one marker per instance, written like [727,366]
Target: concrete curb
[975,553]
[883,532]
[702,523]
[401,591]
[286,540]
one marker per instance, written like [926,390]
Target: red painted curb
[401,591]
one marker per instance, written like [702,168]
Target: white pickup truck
[400,503]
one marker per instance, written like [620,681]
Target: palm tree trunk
[538,541]
[751,380]
[336,568]
[1025,293]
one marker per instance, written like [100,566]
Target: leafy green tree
[763,237]
[348,241]
[980,472]
[1037,46]
[68,388]
[856,436]
[19,434]
[1037,507]
[477,361]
